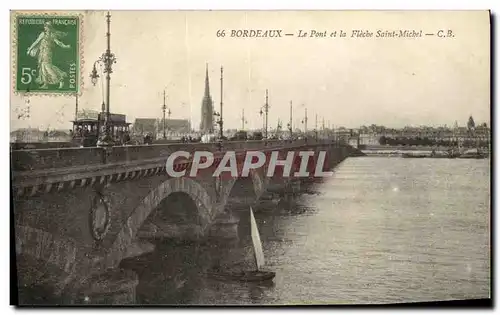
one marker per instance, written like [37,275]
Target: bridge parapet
[43,159]
[144,152]
[28,160]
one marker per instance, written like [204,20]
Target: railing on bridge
[44,159]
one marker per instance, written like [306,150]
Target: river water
[380,230]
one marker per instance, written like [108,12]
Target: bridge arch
[180,186]
[239,194]
[244,190]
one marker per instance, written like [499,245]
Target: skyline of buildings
[207,124]
[350,82]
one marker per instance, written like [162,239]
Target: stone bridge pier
[79,212]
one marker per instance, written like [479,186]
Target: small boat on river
[473,154]
[250,275]
[414,155]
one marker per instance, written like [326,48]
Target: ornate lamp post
[221,120]
[167,112]
[304,121]
[94,75]
[316,127]
[217,119]
[263,121]
[266,111]
[243,120]
[108,59]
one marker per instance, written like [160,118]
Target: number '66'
[27,75]
[221,33]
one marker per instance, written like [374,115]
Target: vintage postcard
[251,157]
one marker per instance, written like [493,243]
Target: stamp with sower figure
[47,53]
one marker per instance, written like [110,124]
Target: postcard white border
[493,5]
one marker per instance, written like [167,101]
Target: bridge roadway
[80,211]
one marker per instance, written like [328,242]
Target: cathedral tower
[207,109]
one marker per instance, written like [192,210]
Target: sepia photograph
[270,158]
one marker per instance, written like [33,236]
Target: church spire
[207,86]
[207,110]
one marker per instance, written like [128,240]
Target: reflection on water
[378,231]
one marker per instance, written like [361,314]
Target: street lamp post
[216,118]
[316,127]
[166,111]
[221,120]
[266,112]
[243,120]
[305,122]
[108,59]
[261,113]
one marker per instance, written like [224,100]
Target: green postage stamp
[46,53]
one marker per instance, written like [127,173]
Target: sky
[345,81]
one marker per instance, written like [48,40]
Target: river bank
[399,151]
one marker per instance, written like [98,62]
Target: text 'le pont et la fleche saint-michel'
[357,33]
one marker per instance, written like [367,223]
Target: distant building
[372,134]
[30,135]
[207,109]
[154,126]
[174,125]
[143,126]
[27,135]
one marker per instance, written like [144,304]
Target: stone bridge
[80,211]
